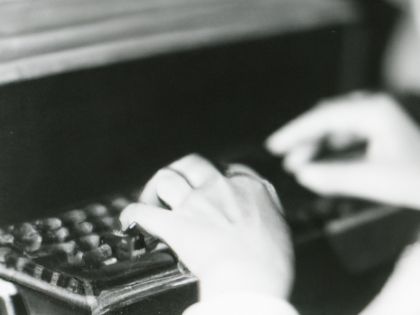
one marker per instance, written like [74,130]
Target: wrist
[231,277]
[242,303]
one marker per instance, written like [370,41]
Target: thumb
[354,179]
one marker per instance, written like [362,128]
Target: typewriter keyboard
[83,250]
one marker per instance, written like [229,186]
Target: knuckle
[188,160]
[128,211]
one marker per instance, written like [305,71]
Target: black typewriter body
[97,134]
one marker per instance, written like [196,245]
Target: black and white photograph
[209,157]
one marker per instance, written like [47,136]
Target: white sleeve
[400,293]
[242,304]
[416,12]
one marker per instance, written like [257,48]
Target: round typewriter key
[76,259]
[118,204]
[96,256]
[67,248]
[89,242]
[24,230]
[27,237]
[83,228]
[33,243]
[4,252]
[96,210]
[57,236]
[6,239]
[74,217]
[107,224]
[48,224]
[125,248]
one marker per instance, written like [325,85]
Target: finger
[172,189]
[300,156]
[161,223]
[345,115]
[196,170]
[208,205]
[149,194]
[250,181]
[236,168]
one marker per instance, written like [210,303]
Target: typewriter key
[107,223]
[89,242]
[125,248]
[118,204]
[73,217]
[83,228]
[57,236]
[6,239]
[48,224]
[76,259]
[150,242]
[96,256]
[67,248]
[23,230]
[27,237]
[96,210]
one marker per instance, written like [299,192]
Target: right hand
[388,172]
[227,229]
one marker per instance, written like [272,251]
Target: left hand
[228,230]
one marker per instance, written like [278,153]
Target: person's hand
[228,230]
[388,172]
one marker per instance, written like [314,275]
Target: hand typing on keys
[228,230]
[389,171]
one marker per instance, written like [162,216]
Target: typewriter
[83,259]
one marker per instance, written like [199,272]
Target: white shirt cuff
[242,304]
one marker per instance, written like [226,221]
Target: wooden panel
[44,37]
